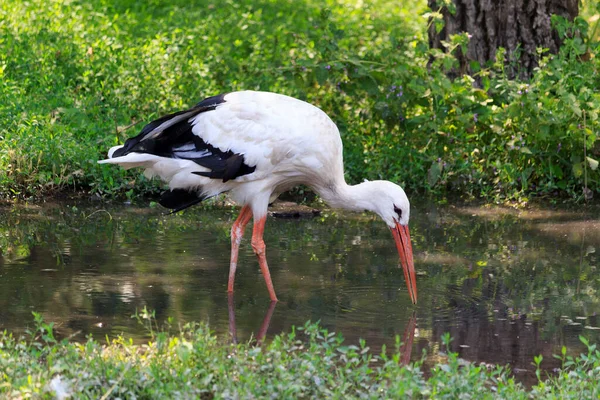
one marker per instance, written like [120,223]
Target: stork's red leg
[237,231]
[258,245]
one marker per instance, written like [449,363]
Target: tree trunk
[519,26]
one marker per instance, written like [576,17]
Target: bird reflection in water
[408,339]
[405,349]
[263,328]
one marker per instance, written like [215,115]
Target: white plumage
[256,145]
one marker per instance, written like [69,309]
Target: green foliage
[308,362]
[79,77]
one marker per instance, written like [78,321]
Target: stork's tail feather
[160,136]
[180,199]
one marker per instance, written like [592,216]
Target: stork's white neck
[349,197]
[381,197]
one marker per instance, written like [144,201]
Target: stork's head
[390,202]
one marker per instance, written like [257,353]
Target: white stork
[256,145]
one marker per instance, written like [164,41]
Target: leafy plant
[307,362]
[78,78]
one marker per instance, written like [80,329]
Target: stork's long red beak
[402,238]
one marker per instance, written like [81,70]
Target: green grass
[308,362]
[75,76]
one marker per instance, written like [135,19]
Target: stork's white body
[289,141]
[282,140]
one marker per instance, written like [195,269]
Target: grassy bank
[306,363]
[78,77]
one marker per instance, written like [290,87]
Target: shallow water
[507,285]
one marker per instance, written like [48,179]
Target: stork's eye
[399,212]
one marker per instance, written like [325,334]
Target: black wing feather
[224,165]
[179,199]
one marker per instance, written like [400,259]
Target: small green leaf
[434,173]
[369,84]
[578,170]
[525,150]
[321,75]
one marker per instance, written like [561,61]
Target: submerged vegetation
[79,77]
[308,362]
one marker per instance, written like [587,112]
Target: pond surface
[507,285]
